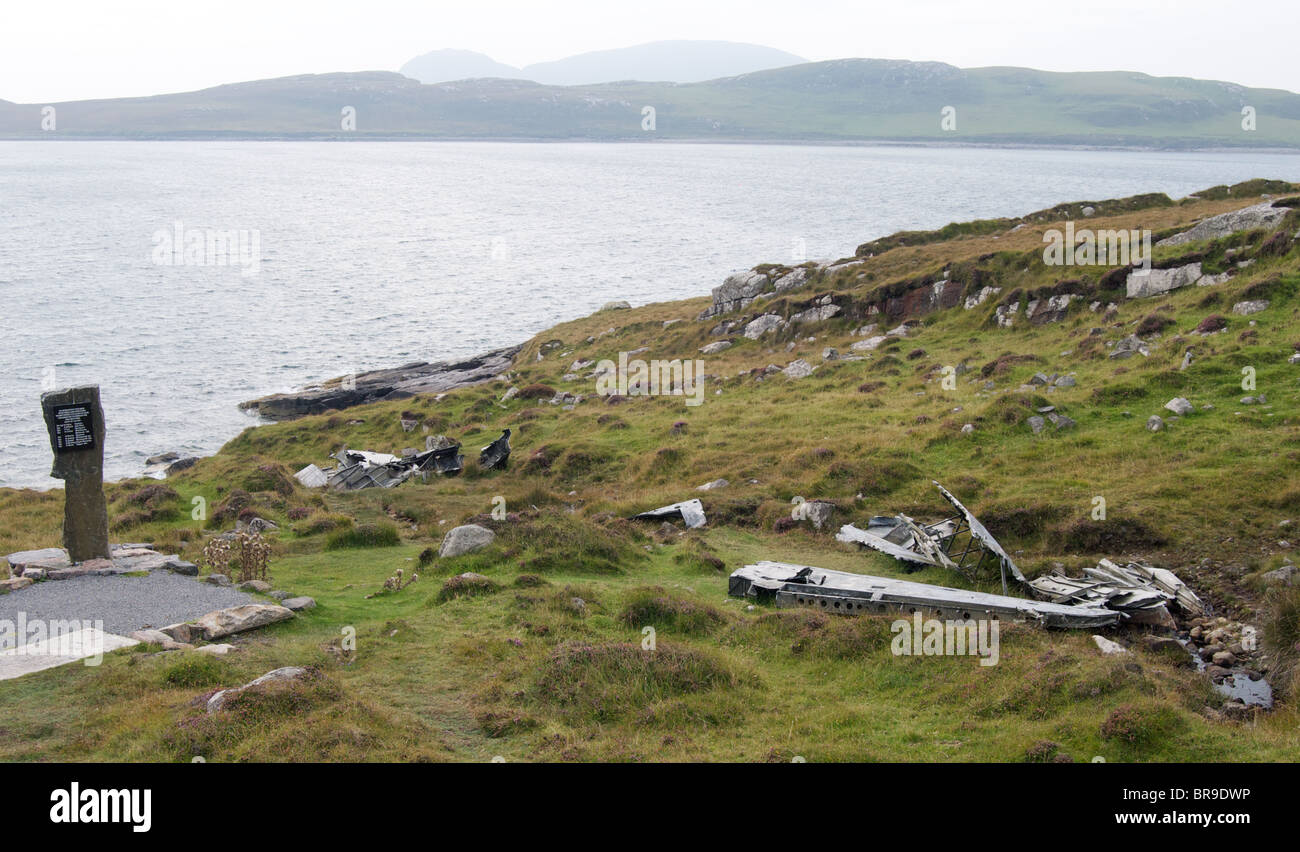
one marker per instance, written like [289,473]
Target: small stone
[216,650]
[299,604]
[1108,647]
[217,580]
[1180,406]
[1037,424]
[1224,658]
[157,637]
[255,586]
[1155,423]
[715,484]
[180,566]
[1250,306]
[1060,421]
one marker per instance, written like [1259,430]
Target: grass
[544,659]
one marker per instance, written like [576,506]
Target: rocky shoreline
[377,385]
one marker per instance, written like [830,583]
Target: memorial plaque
[73,427]
[75,422]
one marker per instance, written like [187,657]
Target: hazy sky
[54,51]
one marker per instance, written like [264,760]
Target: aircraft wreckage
[1106,595]
[359,469]
[841,592]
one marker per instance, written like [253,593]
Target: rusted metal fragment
[495,454]
[790,585]
[690,511]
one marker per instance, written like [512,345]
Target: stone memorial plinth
[75,421]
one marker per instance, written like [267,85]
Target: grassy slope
[522,672]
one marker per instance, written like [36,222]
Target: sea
[184,277]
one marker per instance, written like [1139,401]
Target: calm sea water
[373,254]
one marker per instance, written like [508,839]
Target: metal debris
[1140,591]
[889,536]
[690,511]
[981,536]
[791,585]
[960,543]
[359,469]
[312,477]
[496,453]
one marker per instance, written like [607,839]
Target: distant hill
[839,101]
[658,61]
[440,66]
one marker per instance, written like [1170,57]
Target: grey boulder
[465,539]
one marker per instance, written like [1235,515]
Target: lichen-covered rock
[1251,306]
[798,369]
[1256,216]
[794,278]
[816,314]
[225,622]
[1144,283]
[736,292]
[764,324]
[464,539]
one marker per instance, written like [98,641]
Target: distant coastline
[541,140]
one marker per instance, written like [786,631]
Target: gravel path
[123,603]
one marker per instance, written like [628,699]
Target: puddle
[1237,685]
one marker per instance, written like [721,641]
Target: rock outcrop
[736,292]
[1144,283]
[376,385]
[1257,216]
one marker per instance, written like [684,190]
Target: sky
[57,50]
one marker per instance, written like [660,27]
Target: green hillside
[540,658]
[836,101]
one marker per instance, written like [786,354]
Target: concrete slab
[88,644]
